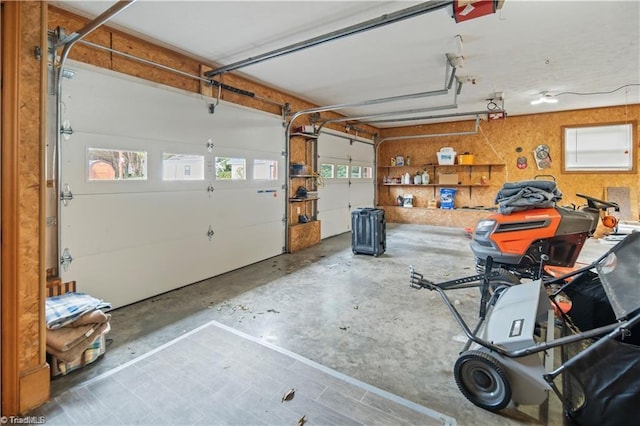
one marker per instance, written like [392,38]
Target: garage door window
[356,172]
[228,168]
[342,171]
[116,164]
[603,148]
[182,167]
[327,171]
[367,172]
[265,170]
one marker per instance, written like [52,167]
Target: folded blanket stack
[526,195]
[74,322]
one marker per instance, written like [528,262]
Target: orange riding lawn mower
[531,237]
[528,340]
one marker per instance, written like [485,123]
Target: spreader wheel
[482,380]
[504,278]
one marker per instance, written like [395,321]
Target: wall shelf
[304,135]
[446,165]
[300,200]
[303,149]
[438,185]
[419,185]
[433,166]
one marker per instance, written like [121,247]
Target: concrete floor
[352,313]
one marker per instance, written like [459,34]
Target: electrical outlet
[298,212]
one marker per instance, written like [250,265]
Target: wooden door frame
[25,377]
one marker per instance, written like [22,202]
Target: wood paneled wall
[25,373]
[497,142]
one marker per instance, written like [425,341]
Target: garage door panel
[360,194]
[76,164]
[132,239]
[256,243]
[125,276]
[361,151]
[152,119]
[109,222]
[257,207]
[334,222]
[338,194]
[332,146]
[247,132]
[333,196]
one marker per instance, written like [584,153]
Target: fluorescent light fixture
[544,98]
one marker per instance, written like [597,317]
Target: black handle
[486,282]
[598,204]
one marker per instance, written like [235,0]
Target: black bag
[301,192]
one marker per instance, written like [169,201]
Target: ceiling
[579,52]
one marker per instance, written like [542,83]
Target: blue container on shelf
[447,196]
[296,169]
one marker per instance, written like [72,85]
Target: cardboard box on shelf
[448,178]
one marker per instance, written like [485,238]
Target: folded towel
[92,317]
[65,338]
[66,308]
[76,352]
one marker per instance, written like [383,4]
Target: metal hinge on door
[210,233]
[65,130]
[66,195]
[66,259]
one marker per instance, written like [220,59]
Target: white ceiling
[578,50]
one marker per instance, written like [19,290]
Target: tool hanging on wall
[521,162]
[542,156]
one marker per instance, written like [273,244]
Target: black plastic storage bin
[368,231]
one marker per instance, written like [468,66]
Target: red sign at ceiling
[463,10]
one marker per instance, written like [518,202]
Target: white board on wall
[135,238]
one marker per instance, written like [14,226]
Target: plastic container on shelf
[447,196]
[465,159]
[296,168]
[446,156]
[425,177]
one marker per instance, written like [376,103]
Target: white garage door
[155,206]
[347,167]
